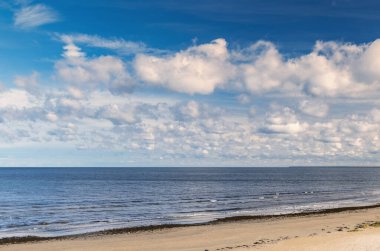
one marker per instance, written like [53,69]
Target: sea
[50,202]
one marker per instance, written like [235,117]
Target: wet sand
[337,229]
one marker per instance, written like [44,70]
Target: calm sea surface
[61,201]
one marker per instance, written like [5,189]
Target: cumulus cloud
[264,68]
[283,121]
[366,66]
[19,99]
[107,72]
[331,69]
[34,15]
[198,69]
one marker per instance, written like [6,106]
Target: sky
[189,83]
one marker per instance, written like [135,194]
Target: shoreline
[152,228]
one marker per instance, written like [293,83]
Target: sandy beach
[354,229]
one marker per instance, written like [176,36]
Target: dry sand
[344,231]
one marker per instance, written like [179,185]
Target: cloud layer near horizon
[319,107]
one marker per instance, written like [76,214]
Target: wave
[110,231]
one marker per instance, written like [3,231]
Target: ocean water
[63,201]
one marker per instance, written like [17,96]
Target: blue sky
[189,83]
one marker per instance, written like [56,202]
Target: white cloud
[106,72]
[264,70]
[330,70]
[199,69]
[52,117]
[75,92]
[34,15]
[120,45]
[71,51]
[18,99]
[367,66]
[283,121]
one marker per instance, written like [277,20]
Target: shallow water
[62,201]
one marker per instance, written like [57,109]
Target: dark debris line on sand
[25,239]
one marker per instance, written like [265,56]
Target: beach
[345,229]
[213,125]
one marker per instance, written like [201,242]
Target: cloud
[375,114]
[263,70]
[72,51]
[314,108]
[82,73]
[331,69]
[120,45]
[195,111]
[185,130]
[273,109]
[283,121]
[366,66]
[34,15]
[75,92]
[19,99]
[189,110]
[52,117]
[29,83]
[323,72]
[117,115]
[67,106]
[196,70]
